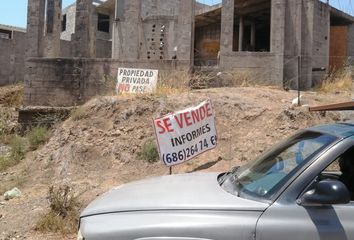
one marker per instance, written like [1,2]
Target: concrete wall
[320,47]
[154,30]
[103,44]
[12,58]
[70,82]
[267,66]
[70,22]
[299,40]
[103,49]
[257,65]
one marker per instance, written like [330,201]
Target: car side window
[342,169]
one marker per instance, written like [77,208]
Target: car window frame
[308,174]
[290,180]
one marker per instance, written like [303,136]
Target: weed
[149,152]
[2,128]
[13,96]
[62,200]
[52,222]
[109,82]
[172,82]
[37,136]
[340,80]
[19,147]
[64,211]
[6,162]
[78,114]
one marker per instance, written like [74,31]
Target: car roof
[341,130]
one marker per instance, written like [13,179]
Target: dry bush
[11,96]
[202,80]
[78,114]
[244,78]
[171,82]
[233,78]
[64,211]
[339,80]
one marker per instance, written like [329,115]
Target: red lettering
[187,118]
[123,88]
[208,109]
[202,113]
[195,116]
[168,124]
[159,124]
[179,120]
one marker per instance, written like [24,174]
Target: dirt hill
[96,149]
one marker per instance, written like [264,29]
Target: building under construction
[292,43]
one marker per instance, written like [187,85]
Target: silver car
[300,189]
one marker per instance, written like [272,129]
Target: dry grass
[234,78]
[172,82]
[64,211]
[340,80]
[244,78]
[11,96]
[78,114]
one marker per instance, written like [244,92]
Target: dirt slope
[96,149]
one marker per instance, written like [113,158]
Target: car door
[287,219]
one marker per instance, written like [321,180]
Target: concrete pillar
[277,41]
[126,28]
[185,29]
[253,35]
[85,30]
[115,30]
[227,26]
[35,28]
[52,29]
[240,34]
[307,29]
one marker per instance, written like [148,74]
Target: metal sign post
[298,80]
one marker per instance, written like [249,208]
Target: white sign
[132,80]
[186,134]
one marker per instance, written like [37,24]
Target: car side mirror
[326,192]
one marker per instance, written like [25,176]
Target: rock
[4,150]
[13,193]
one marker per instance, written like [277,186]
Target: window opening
[103,23]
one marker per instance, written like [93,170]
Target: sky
[14,12]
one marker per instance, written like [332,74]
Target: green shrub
[5,163]
[37,137]
[19,148]
[149,152]
[18,151]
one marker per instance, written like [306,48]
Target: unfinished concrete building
[282,42]
[12,48]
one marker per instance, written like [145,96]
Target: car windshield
[264,177]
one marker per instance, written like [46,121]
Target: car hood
[199,191]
